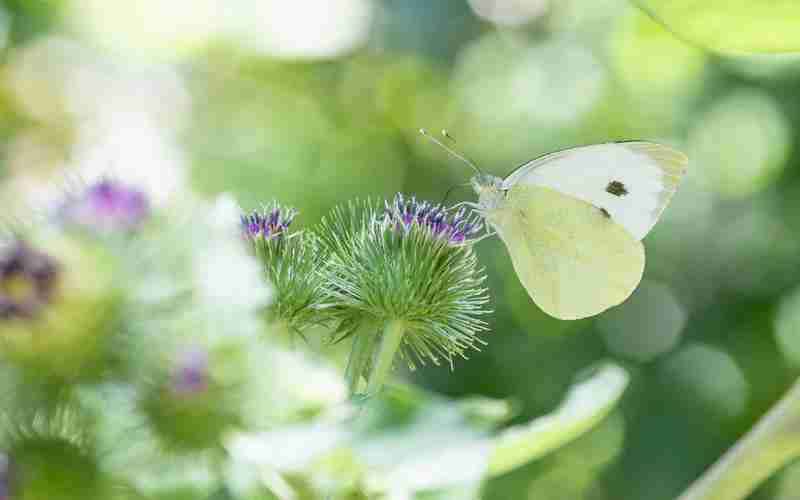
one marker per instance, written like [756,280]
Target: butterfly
[573,220]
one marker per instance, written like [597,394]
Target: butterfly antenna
[455,154]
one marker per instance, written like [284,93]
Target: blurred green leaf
[586,404]
[736,26]
[766,448]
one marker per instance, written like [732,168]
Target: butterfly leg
[469,204]
[489,233]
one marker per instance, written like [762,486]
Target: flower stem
[359,361]
[770,444]
[391,339]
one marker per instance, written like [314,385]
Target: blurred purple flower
[28,280]
[108,206]
[191,372]
[403,214]
[269,223]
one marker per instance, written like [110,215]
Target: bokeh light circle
[297,29]
[648,324]
[509,12]
[787,326]
[710,377]
[551,83]
[154,28]
[305,29]
[650,59]
[740,145]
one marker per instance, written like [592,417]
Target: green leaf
[586,404]
[407,441]
[735,26]
[773,442]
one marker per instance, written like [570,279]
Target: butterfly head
[489,189]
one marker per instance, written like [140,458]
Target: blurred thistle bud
[107,206]
[291,263]
[59,310]
[402,282]
[28,281]
[190,375]
[197,397]
[49,454]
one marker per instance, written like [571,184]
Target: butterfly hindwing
[572,258]
[631,181]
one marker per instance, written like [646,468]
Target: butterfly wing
[632,181]
[573,259]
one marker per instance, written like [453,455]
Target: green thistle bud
[291,262]
[49,455]
[59,310]
[403,281]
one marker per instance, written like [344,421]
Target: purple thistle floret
[191,372]
[403,214]
[268,223]
[28,281]
[108,206]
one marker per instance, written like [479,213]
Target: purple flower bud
[274,217]
[405,213]
[107,206]
[253,227]
[191,372]
[28,280]
[268,223]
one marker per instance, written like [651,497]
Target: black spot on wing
[605,213]
[616,188]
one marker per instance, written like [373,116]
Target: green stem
[770,444]
[358,362]
[391,340]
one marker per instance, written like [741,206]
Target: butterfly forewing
[632,182]
[571,257]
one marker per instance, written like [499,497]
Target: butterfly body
[572,221]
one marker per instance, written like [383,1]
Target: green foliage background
[712,337]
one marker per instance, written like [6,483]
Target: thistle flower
[107,206]
[54,322]
[191,376]
[405,281]
[272,222]
[291,263]
[28,280]
[403,214]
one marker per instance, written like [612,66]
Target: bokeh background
[315,102]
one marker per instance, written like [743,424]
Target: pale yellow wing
[571,256]
[634,181]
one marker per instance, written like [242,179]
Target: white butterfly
[573,220]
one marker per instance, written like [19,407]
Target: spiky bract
[291,263]
[379,274]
